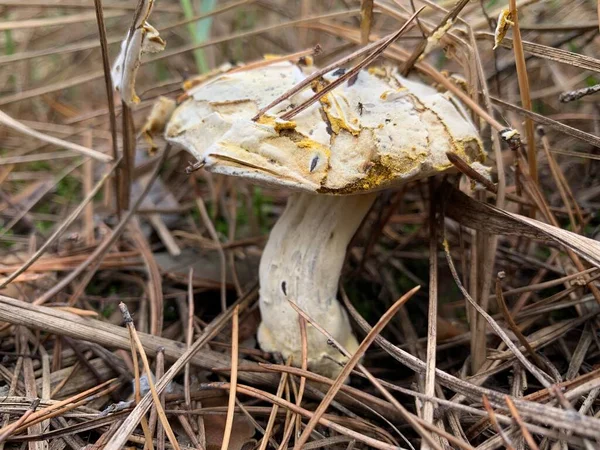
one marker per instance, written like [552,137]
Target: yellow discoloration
[312,145]
[435,38]
[284,125]
[378,71]
[378,175]
[278,125]
[469,151]
[504,23]
[338,121]
[381,173]
[308,60]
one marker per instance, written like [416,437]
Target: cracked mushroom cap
[376,130]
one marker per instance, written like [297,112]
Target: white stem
[302,262]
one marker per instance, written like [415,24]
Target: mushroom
[373,132]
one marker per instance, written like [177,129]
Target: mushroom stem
[302,262]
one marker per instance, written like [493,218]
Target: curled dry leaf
[482,216]
[434,40]
[504,23]
[156,121]
[141,38]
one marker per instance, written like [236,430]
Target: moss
[43,226]
[68,188]
[5,241]
[39,166]
[591,81]
[108,310]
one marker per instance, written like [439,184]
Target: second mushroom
[374,132]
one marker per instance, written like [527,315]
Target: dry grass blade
[319,73]
[8,121]
[191,240]
[432,313]
[109,91]
[513,326]
[517,417]
[366,20]
[136,375]
[333,390]
[253,392]
[296,57]
[157,403]
[435,36]
[6,431]
[273,416]
[494,421]
[60,230]
[499,331]
[553,124]
[379,49]
[53,21]
[96,257]
[189,338]
[129,424]
[215,237]
[524,89]
[554,54]
[570,96]
[566,194]
[234,377]
[462,165]
[68,404]
[482,216]
[86,78]
[368,398]
[112,336]
[41,193]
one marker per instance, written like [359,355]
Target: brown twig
[109,96]
[513,325]
[494,421]
[6,431]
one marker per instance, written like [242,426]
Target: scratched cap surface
[373,132]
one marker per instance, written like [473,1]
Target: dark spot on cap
[352,79]
[284,288]
[313,163]
[339,72]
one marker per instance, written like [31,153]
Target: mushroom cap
[374,131]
